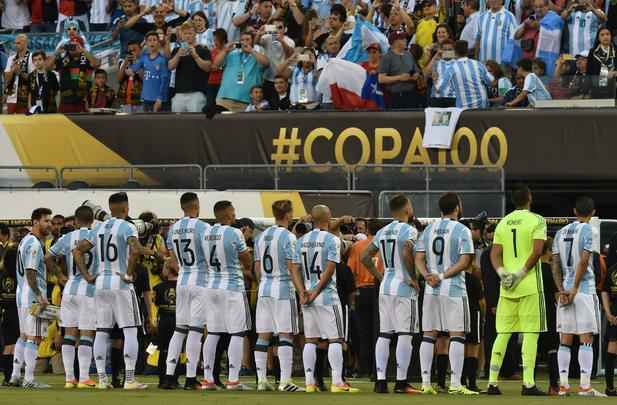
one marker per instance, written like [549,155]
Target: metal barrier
[133,177]
[29,177]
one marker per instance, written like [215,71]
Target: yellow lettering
[416,152]
[461,133]
[340,143]
[308,147]
[502,157]
[380,153]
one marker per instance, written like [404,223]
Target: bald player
[315,259]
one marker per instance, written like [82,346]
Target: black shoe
[219,383]
[191,384]
[322,386]
[168,383]
[493,390]
[532,392]
[611,392]
[402,387]
[381,387]
[116,383]
[474,388]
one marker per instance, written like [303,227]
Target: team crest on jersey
[170,296]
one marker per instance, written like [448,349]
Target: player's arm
[247,264]
[556,270]
[581,268]
[408,261]
[78,256]
[136,250]
[171,261]
[296,279]
[324,279]
[538,249]
[420,262]
[463,263]
[34,287]
[367,261]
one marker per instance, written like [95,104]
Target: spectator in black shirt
[192,63]
[43,87]
[292,14]
[139,24]
[609,303]
[281,101]
[336,22]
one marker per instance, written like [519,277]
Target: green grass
[153,396]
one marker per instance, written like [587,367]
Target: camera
[145,227]
[99,213]
[449,54]
[71,47]
[270,29]
[238,45]
[304,58]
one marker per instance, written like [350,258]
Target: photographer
[74,88]
[583,20]
[277,48]
[130,86]
[300,69]
[436,69]
[529,30]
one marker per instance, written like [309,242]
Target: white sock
[403,357]
[30,353]
[173,353]
[585,361]
[100,354]
[68,357]
[209,352]
[131,350]
[261,359]
[286,358]
[18,358]
[309,357]
[193,351]
[235,352]
[457,359]
[382,353]
[563,361]
[84,355]
[335,358]
[426,359]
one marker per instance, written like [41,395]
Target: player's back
[186,239]
[76,284]
[30,256]
[111,249]
[444,242]
[391,241]
[570,243]
[516,233]
[313,252]
[222,244]
[274,249]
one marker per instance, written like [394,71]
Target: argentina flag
[549,40]
[364,34]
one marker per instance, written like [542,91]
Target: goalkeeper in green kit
[517,247]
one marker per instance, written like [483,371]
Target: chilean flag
[350,86]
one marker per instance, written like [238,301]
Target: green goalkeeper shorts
[523,314]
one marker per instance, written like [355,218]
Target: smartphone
[270,29]
[303,58]
[449,54]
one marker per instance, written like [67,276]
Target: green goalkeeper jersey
[516,233]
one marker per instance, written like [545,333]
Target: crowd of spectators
[256,55]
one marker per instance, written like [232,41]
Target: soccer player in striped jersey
[398,297]
[185,241]
[315,259]
[578,312]
[444,251]
[583,20]
[229,262]
[277,310]
[116,247]
[31,289]
[496,26]
[77,304]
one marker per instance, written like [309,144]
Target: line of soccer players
[212,262]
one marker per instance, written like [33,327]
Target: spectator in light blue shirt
[533,89]
[155,75]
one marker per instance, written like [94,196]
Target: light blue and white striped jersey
[186,239]
[205,38]
[76,284]
[111,251]
[535,89]
[444,242]
[391,241]
[469,80]
[182,5]
[274,249]
[222,246]
[30,255]
[494,31]
[570,243]
[145,4]
[439,91]
[313,252]
[208,8]
[582,30]
[303,87]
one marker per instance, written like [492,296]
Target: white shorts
[191,306]
[398,314]
[581,316]
[116,306]
[323,321]
[228,311]
[76,311]
[445,314]
[276,316]
[30,325]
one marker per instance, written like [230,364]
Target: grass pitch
[57,395]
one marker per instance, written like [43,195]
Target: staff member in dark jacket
[165,301]
[9,322]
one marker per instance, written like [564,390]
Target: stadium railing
[29,177]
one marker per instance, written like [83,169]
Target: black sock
[442,369]
[465,371]
[276,369]
[472,371]
[320,365]
[162,366]
[116,362]
[6,362]
[609,370]
[553,369]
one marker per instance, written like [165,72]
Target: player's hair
[84,214]
[448,203]
[584,206]
[58,216]
[118,198]
[398,202]
[222,205]
[39,213]
[4,229]
[281,208]
[188,198]
[521,195]
[242,222]
[39,53]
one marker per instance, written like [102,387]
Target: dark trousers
[221,347]
[367,312]
[166,327]
[510,361]
[211,92]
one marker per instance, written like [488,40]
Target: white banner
[439,127]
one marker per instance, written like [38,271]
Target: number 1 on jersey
[514,242]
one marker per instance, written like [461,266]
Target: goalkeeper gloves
[506,278]
[517,277]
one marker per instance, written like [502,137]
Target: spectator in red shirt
[216,74]
[77,9]
[44,15]
[374,57]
